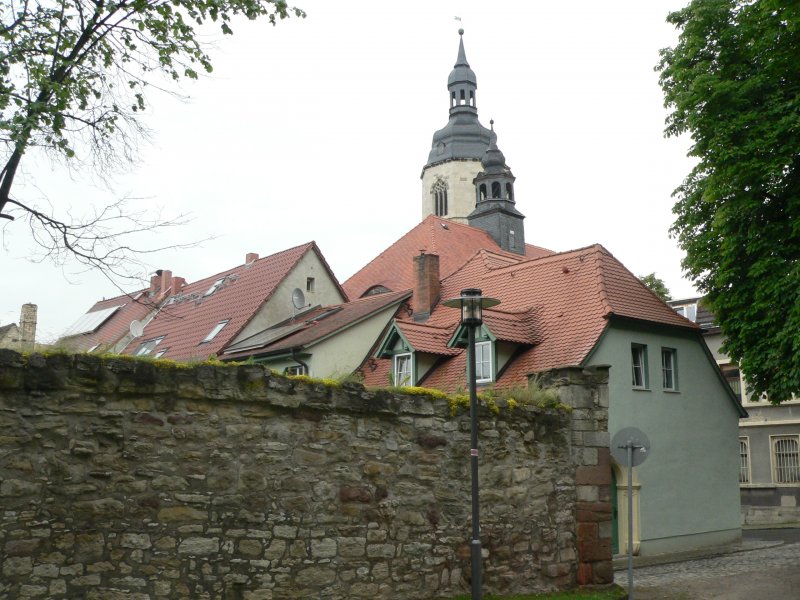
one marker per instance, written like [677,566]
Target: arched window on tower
[509,191]
[439,193]
[472,98]
[482,191]
[463,99]
[495,189]
[452,99]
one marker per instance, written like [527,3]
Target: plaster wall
[458,174]
[689,495]
[279,307]
[342,353]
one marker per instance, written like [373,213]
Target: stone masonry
[123,478]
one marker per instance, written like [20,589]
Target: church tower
[494,211]
[455,157]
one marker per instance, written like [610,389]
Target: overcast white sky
[318,129]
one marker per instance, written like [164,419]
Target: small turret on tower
[494,211]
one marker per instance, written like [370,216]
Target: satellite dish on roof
[136,328]
[298,298]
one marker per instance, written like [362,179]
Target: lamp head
[471,304]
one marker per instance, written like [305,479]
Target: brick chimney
[161,283]
[426,285]
[251,257]
[177,284]
[165,284]
[27,327]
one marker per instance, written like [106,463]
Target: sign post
[630,447]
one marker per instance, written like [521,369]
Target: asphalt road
[771,573]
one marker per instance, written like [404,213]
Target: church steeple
[494,211]
[457,148]
[462,83]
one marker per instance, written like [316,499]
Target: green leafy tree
[733,83]
[74,77]
[656,285]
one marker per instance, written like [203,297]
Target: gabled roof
[238,293]
[426,338]
[563,303]
[313,326]
[453,242]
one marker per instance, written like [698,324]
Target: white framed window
[639,366]
[785,458]
[403,370]
[483,362]
[669,372]
[734,379]
[687,310]
[311,284]
[214,331]
[296,370]
[744,460]
[147,346]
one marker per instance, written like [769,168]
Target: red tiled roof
[189,316]
[512,327]
[427,338]
[313,329]
[453,242]
[567,300]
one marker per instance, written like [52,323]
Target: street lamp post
[472,304]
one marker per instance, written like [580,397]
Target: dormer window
[483,362]
[216,329]
[402,370]
[687,310]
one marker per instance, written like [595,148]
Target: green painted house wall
[689,495]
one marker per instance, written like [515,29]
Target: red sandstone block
[587,532]
[588,512]
[595,550]
[593,475]
[584,573]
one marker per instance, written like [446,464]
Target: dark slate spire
[494,211]
[463,137]
[462,82]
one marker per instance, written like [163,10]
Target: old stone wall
[128,479]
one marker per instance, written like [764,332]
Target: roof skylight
[213,333]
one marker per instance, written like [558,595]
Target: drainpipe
[300,362]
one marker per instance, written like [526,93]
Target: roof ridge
[373,297]
[556,256]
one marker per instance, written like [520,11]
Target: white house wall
[280,307]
